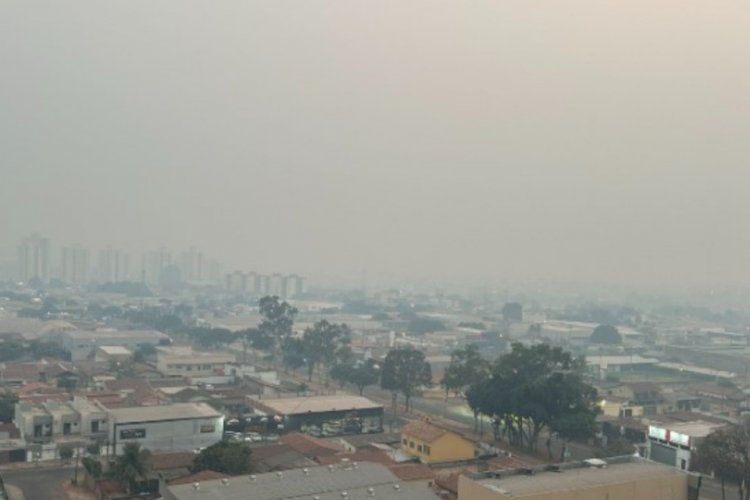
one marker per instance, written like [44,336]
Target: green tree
[533,388]
[8,402]
[227,457]
[321,343]
[144,352]
[725,453]
[278,319]
[606,334]
[360,375]
[131,467]
[513,311]
[93,466]
[467,367]
[293,353]
[404,372]
[66,452]
[420,325]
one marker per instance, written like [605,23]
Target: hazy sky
[598,140]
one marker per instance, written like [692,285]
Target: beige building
[434,444]
[623,478]
[184,362]
[115,353]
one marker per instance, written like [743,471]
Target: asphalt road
[39,483]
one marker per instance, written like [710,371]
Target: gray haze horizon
[583,141]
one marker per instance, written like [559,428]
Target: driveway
[39,482]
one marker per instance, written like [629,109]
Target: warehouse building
[322,416]
[176,427]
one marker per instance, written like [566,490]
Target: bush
[66,452]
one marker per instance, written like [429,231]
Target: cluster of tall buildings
[76,265]
[284,286]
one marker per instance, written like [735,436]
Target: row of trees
[525,392]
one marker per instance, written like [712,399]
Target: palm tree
[131,466]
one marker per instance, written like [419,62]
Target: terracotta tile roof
[423,430]
[412,472]
[204,475]
[309,446]
[161,461]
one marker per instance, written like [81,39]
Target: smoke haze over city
[580,141]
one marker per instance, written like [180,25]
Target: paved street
[39,483]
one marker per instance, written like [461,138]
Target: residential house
[432,443]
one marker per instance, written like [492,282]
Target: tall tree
[535,388]
[404,372]
[131,467]
[467,367]
[513,311]
[322,342]
[726,454]
[606,334]
[226,457]
[278,319]
[360,375]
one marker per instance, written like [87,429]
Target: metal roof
[325,482]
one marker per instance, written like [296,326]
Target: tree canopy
[227,457]
[404,372]
[321,343]
[726,454]
[278,319]
[360,375]
[513,311]
[606,334]
[131,467]
[535,388]
[467,367]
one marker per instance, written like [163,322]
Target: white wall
[171,435]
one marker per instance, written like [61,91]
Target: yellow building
[622,478]
[616,407]
[433,444]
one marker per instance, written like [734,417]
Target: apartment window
[406,441]
[427,450]
[411,444]
[419,448]
[206,367]
[94,426]
[207,428]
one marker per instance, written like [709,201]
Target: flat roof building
[175,427]
[323,416]
[81,343]
[621,478]
[185,362]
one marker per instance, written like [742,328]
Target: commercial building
[434,444]
[623,478]
[81,344]
[185,362]
[334,482]
[674,444]
[175,427]
[322,416]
